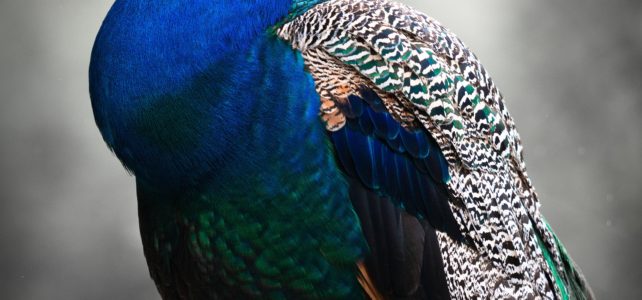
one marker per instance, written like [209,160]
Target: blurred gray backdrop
[571,71]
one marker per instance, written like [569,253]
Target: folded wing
[415,118]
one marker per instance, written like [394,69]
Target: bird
[319,149]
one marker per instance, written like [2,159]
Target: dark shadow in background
[571,71]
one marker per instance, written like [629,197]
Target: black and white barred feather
[428,79]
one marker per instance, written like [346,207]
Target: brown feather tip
[366,283]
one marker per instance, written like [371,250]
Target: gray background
[571,71]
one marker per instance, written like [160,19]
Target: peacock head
[165,72]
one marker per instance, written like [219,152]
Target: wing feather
[451,126]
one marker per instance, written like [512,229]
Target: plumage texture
[239,195]
[428,79]
[409,185]
[289,236]
[398,191]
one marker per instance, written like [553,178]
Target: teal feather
[291,235]
[242,191]
[217,120]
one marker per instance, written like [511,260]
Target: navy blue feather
[406,166]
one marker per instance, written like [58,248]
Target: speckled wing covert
[428,80]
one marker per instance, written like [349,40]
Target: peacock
[319,149]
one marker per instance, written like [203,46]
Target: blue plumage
[168,78]
[404,165]
[217,120]
[242,191]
